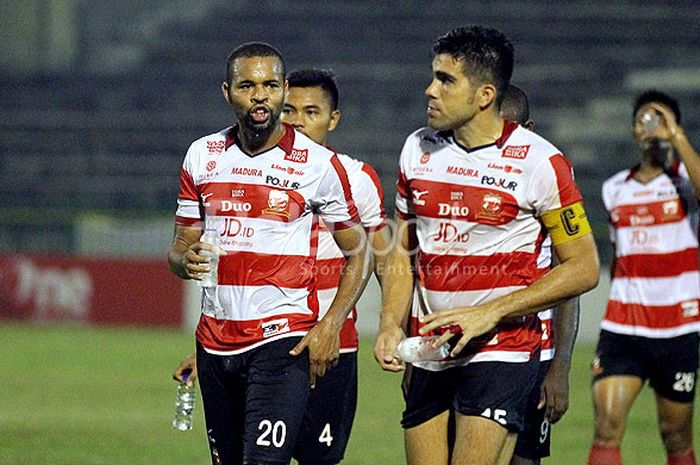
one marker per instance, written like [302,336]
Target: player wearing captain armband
[473,193]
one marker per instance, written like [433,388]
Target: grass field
[79,396]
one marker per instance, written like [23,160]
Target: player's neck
[484,128]
[647,172]
[254,142]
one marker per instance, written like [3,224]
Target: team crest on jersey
[277,203]
[297,156]
[425,158]
[211,165]
[670,209]
[274,327]
[518,152]
[215,146]
[491,205]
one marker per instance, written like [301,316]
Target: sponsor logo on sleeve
[211,165]
[425,158]
[690,308]
[297,155]
[517,152]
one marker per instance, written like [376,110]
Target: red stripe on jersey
[656,265]
[188,190]
[470,273]
[521,337]
[478,205]
[255,269]
[378,185]
[647,214]
[328,272]
[219,335]
[402,185]
[650,316]
[188,222]
[568,191]
[253,201]
[312,298]
[347,192]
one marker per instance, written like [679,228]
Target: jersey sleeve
[553,186]
[404,207]
[189,211]
[334,201]
[369,198]
[607,199]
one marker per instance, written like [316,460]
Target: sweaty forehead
[257,68]
[307,96]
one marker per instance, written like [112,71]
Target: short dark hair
[486,54]
[515,105]
[656,96]
[252,49]
[314,77]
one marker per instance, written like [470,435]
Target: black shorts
[669,364]
[329,414]
[534,440]
[495,390]
[254,402]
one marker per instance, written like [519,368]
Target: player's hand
[472,322]
[194,263]
[187,365]
[323,342]
[385,349]
[554,393]
[669,128]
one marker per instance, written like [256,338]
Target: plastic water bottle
[650,120]
[184,404]
[420,348]
[211,277]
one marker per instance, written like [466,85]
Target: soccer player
[549,399]
[311,107]
[263,312]
[650,328]
[475,193]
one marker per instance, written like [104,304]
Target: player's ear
[335,119]
[485,95]
[224,90]
[529,124]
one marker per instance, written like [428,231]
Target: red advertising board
[99,291]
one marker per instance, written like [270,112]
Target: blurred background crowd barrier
[101,99]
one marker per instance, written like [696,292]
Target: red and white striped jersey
[656,284]
[478,229]
[544,262]
[369,200]
[265,209]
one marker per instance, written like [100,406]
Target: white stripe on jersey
[224,302]
[658,239]
[650,332]
[656,291]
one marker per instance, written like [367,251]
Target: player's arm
[323,341]
[183,255]
[380,242]
[577,273]
[674,133]
[397,293]
[554,393]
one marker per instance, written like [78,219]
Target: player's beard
[261,130]
[656,151]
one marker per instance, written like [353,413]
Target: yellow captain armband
[567,223]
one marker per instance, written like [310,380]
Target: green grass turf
[78,395]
